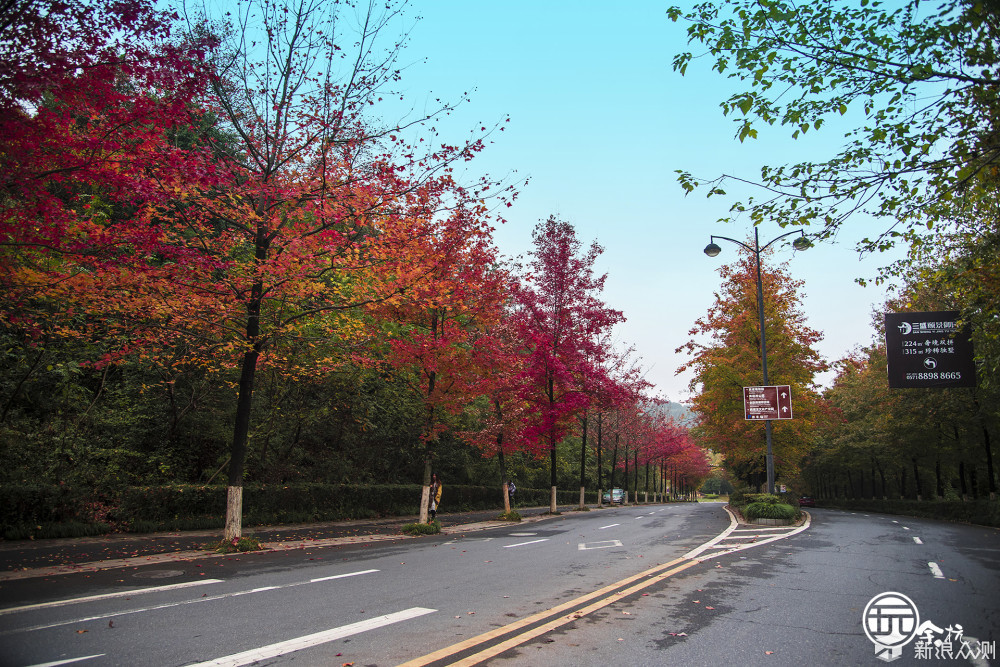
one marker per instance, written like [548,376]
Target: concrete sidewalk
[41,558]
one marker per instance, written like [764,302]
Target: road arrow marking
[607,544]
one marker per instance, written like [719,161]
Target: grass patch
[239,545]
[415,529]
[512,515]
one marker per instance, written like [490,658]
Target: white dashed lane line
[521,544]
[935,570]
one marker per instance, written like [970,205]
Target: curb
[178,556]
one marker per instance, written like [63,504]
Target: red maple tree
[562,324]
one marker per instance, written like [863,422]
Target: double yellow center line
[550,618]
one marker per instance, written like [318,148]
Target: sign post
[767,403]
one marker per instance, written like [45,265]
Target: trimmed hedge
[769,510]
[60,511]
[979,512]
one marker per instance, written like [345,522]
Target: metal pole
[763,360]
[712,250]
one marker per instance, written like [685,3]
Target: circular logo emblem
[930,363]
[905,328]
[890,619]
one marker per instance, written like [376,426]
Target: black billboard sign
[928,350]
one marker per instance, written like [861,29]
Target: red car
[806,501]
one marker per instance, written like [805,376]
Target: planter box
[771,522]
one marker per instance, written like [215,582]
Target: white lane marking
[342,576]
[69,661]
[917,540]
[935,570]
[166,605]
[894,521]
[609,526]
[607,544]
[521,544]
[641,517]
[905,528]
[108,596]
[315,639]
[522,534]
[696,553]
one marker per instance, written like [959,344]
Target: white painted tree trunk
[234,513]
[425,503]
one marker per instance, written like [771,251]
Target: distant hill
[681,413]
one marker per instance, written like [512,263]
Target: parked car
[616,496]
[806,501]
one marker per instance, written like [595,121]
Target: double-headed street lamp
[712,249]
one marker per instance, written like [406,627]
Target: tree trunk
[600,480]
[425,491]
[238,453]
[505,492]
[552,477]
[961,480]
[916,479]
[583,462]
[990,475]
[625,485]
[614,464]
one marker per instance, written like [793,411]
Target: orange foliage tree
[725,357]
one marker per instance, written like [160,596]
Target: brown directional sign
[928,350]
[772,402]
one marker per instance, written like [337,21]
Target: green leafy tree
[924,76]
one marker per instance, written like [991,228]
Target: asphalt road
[648,585]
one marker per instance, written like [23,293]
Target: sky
[599,124]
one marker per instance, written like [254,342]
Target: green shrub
[512,515]
[770,510]
[238,545]
[415,529]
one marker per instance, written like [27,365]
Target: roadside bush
[742,499]
[770,510]
[415,529]
[238,545]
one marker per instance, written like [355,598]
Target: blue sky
[599,122]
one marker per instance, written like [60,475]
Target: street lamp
[712,249]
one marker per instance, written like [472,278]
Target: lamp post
[712,249]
